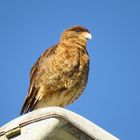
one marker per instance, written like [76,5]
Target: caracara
[60,74]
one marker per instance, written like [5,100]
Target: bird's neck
[74,42]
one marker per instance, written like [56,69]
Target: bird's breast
[66,69]
[73,66]
[65,79]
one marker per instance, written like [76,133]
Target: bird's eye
[78,30]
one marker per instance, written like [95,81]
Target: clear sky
[112,97]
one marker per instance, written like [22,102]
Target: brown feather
[60,74]
[31,99]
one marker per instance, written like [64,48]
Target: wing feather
[31,100]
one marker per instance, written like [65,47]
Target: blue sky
[112,97]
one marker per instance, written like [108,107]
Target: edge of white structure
[78,121]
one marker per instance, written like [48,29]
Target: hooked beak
[87,35]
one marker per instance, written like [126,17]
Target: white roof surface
[53,123]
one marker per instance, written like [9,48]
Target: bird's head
[76,32]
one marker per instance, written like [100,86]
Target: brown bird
[60,74]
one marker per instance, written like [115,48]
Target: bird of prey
[60,74]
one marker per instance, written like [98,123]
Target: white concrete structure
[53,123]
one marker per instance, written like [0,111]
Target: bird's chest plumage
[72,67]
[65,78]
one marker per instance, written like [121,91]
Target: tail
[30,100]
